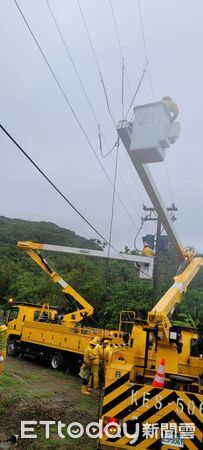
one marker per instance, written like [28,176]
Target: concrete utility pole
[152,216]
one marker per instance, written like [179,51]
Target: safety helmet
[167,98]
[94,342]
[106,342]
[3,328]
[96,338]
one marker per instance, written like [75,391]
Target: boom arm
[159,314]
[146,140]
[32,250]
[143,263]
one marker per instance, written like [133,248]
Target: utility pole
[152,216]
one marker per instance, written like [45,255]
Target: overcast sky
[36,114]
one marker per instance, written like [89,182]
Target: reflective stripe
[62,283]
[178,286]
[161,371]
[159,379]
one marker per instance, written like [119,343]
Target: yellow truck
[33,329]
[46,332]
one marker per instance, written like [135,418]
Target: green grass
[34,392]
[13,389]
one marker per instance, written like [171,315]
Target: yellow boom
[83,308]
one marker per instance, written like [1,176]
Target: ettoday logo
[75,430]
[169,432]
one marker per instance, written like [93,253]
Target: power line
[71,108]
[111,222]
[100,133]
[120,46]
[121,176]
[127,190]
[75,69]
[150,83]
[59,191]
[101,147]
[97,64]
[55,187]
[137,90]
[145,50]
[168,181]
[99,70]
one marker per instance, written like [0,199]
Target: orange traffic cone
[160,375]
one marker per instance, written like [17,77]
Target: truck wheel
[56,361]
[11,348]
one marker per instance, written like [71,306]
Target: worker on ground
[99,345]
[107,354]
[147,251]
[3,329]
[92,358]
[85,374]
[171,106]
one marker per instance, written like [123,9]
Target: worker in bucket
[3,329]
[171,106]
[147,250]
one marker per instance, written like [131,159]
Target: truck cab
[16,316]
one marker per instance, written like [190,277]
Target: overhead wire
[126,188]
[120,46]
[100,74]
[137,90]
[168,182]
[100,144]
[100,132]
[55,187]
[59,191]
[111,222]
[109,108]
[122,101]
[71,108]
[138,86]
[150,82]
[75,69]
[135,240]
[145,50]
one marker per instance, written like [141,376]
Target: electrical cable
[135,245]
[168,182]
[99,70]
[71,108]
[141,79]
[137,90]
[111,222]
[100,133]
[150,82]
[56,188]
[120,46]
[145,49]
[97,64]
[75,69]
[122,87]
[100,144]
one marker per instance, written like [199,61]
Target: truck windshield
[13,314]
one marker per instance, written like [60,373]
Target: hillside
[13,230]
[23,280]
